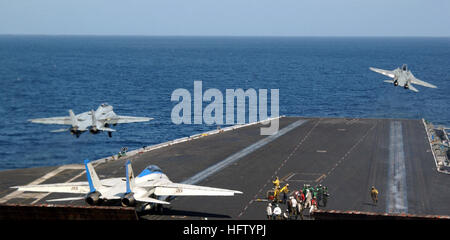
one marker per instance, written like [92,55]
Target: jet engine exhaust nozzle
[128,200]
[93,198]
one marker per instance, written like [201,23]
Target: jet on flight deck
[94,121]
[402,77]
[149,190]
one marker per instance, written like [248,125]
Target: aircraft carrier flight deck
[347,155]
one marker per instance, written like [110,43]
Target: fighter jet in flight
[149,190]
[403,77]
[94,121]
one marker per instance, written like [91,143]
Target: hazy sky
[227,17]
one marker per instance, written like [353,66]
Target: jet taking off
[94,121]
[403,77]
[150,189]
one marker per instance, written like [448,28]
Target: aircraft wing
[384,72]
[73,187]
[178,189]
[127,119]
[52,120]
[66,199]
[422,83]
[117,196]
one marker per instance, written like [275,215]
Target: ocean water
[44,76]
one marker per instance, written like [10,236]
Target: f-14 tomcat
[402,77]
[149,190]
[94,121]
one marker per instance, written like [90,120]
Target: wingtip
[86,161]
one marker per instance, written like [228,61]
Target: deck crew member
[277,212]
[293,207]
[300,210]
[374,195]
[276,183]
[308,199]
[269,211]
[286,215]
[285,191]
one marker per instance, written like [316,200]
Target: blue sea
[45,76]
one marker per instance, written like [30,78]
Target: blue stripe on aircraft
[128,177]
[88,175]
[150,170]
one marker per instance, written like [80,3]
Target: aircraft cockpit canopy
[149,170]
[404,67]
[153,168]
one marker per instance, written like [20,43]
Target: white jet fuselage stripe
[244,152]
[397,201]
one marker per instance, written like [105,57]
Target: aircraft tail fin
[94,121]
[106,129]
[59,130]
[73,119]
[93,180]
[412,88]
[130,177]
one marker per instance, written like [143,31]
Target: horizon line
[231,36]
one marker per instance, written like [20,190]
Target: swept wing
[73,187]
[126,119]
[53,120]
[178,189]
[422,83]
[384,72]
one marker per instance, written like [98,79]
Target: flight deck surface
[346,155]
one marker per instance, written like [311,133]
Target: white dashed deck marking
[397,201]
